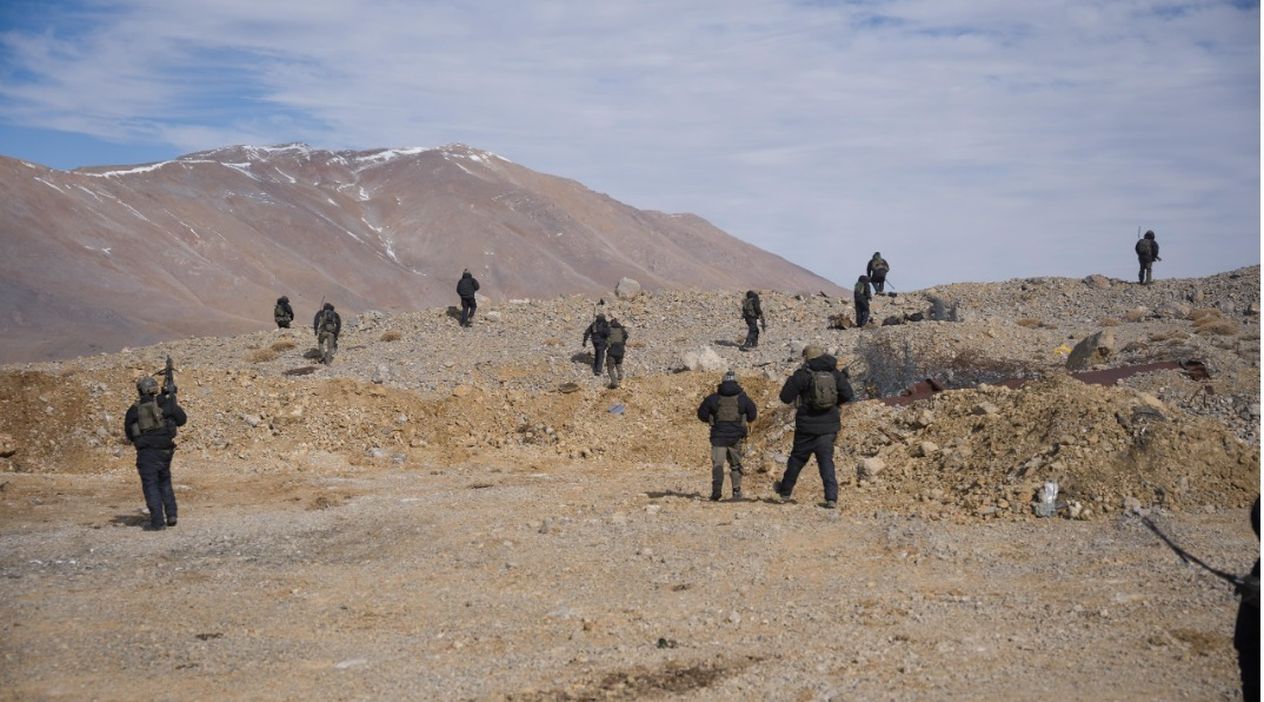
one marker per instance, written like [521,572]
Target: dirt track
[585,580]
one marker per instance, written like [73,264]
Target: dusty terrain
[432,517]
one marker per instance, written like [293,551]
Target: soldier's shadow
[583,357]
[129,520]
[312,354]
[654,495]
[725,342]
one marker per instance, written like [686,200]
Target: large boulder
[1172,309]
[627,289]
[1094,349]
[704,359]
[1097,281]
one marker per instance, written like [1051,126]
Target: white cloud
[970,139]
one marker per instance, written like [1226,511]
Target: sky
[964,139]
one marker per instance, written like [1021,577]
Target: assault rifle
[168,378]
[1246,586]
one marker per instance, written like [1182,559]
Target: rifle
[1238,582]
[168,374]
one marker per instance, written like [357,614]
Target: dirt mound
[980,452]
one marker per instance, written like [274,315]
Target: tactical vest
[280,314]
[617,335]
[148,417]
[748,307]
[880,265]
[729,409]
[328,323]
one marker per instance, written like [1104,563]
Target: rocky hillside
[99,258]
[417,388]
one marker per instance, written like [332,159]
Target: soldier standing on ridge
[877,271]
[283,313]
[150,425]
[1147,253]
[465,288]
[599,332]
[753,313]
[817,389]
[618,339]
[728,410]
[861,296]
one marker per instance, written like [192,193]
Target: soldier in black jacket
[150,425]
[861,296]
[1147,253]
[753,315]
[1246,633]
[728,410]
[599,332]
[466,287]
[817,388]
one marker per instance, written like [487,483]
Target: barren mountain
[99,258]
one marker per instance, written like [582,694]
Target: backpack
[1144,248]
[279,313]
[148,417]
[328,322]
[748,308]
[618,335]
[729,409]
[823,391]
[881,266]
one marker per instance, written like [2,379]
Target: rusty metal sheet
[924,389]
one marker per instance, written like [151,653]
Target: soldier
[877,271]
[599,332]
[753,313]
[817,389]
[618,339]
[728,410]
[150,425]
[283,313]
[861,296]
[1147,253]
[466,287]
[1246,633]
[327,326]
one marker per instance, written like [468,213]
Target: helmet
[328,306]
[1149,235]
[147,385]
[600,316]
[283,298]
[812,351]
[730,375]
[877,254]
[750,293]
[863,279]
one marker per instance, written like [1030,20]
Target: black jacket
[727,433]
[876,272]
[467,285]
[286,311]
[759,310]
[599,331]
[799,385]
[162,438]
[861,294]
[337,323]
[1150,255]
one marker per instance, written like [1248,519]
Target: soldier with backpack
[817,389]
[877,271]
[753,314]
[861,296]
[327,326]
[283,313]
[599,332]
[1147,253]
[618,339]
[465,288]
[150,425]
[728,410]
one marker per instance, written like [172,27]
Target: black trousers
[752,332]
[878,281]
[154,466]
[468,305]
[599,357]
[805,446]
[1143,275]
[862,312]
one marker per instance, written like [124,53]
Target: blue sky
[965,139]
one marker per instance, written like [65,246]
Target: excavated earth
[470,514]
